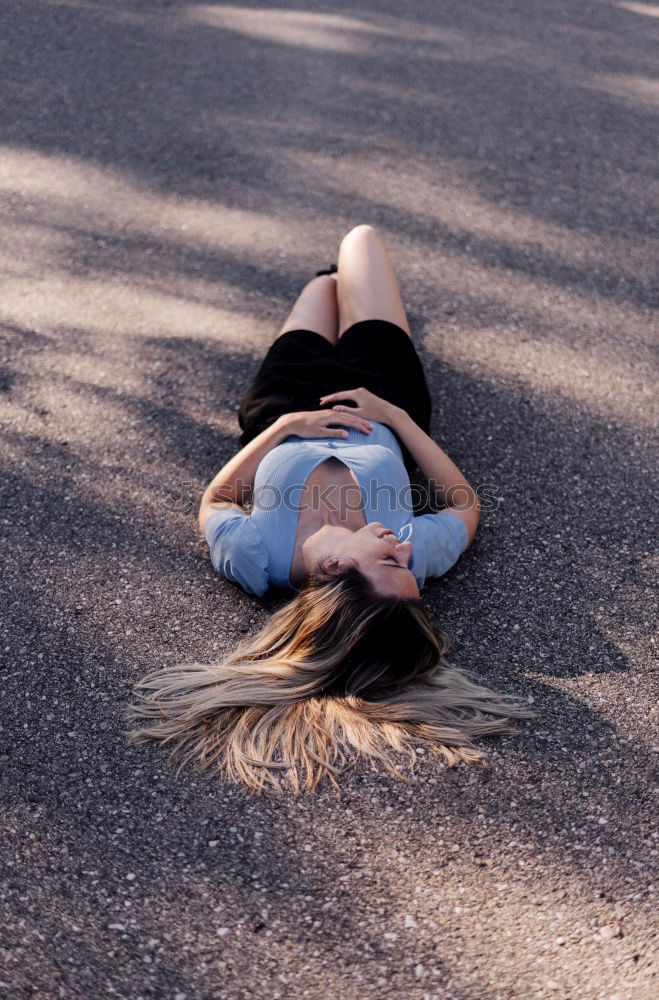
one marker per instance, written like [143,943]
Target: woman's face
[373,549]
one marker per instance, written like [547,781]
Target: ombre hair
[339,668]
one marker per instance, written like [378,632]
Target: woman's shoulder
[438,540]
[237,549]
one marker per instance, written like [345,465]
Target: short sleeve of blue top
[255,550]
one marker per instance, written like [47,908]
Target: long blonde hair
[339,668]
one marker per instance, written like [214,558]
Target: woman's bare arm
[446,482]
[232,485]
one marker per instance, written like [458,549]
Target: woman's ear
[330,565]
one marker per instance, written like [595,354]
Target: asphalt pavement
[171,175]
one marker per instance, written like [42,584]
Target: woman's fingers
[347,413]
[346,394]
[353,411]
[348,409]
[349,420]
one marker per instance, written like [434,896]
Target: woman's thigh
[315,309]
[367,287]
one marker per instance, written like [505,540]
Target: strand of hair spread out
[338,670]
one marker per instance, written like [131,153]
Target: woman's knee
[322,284]
[364,231]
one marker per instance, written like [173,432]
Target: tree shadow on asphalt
[508,155]
[79,787]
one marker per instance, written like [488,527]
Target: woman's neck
[330,496]
[350,519]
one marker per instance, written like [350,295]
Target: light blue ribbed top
[256,549]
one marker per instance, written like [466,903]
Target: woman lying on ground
[335,419]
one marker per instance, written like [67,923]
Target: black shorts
[301,366]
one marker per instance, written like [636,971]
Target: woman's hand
[323,423]
[369,405]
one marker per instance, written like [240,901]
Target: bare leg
[367,287]
[316,309]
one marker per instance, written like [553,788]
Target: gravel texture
[170,176]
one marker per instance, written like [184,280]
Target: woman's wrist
[397,418]
[281,427]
